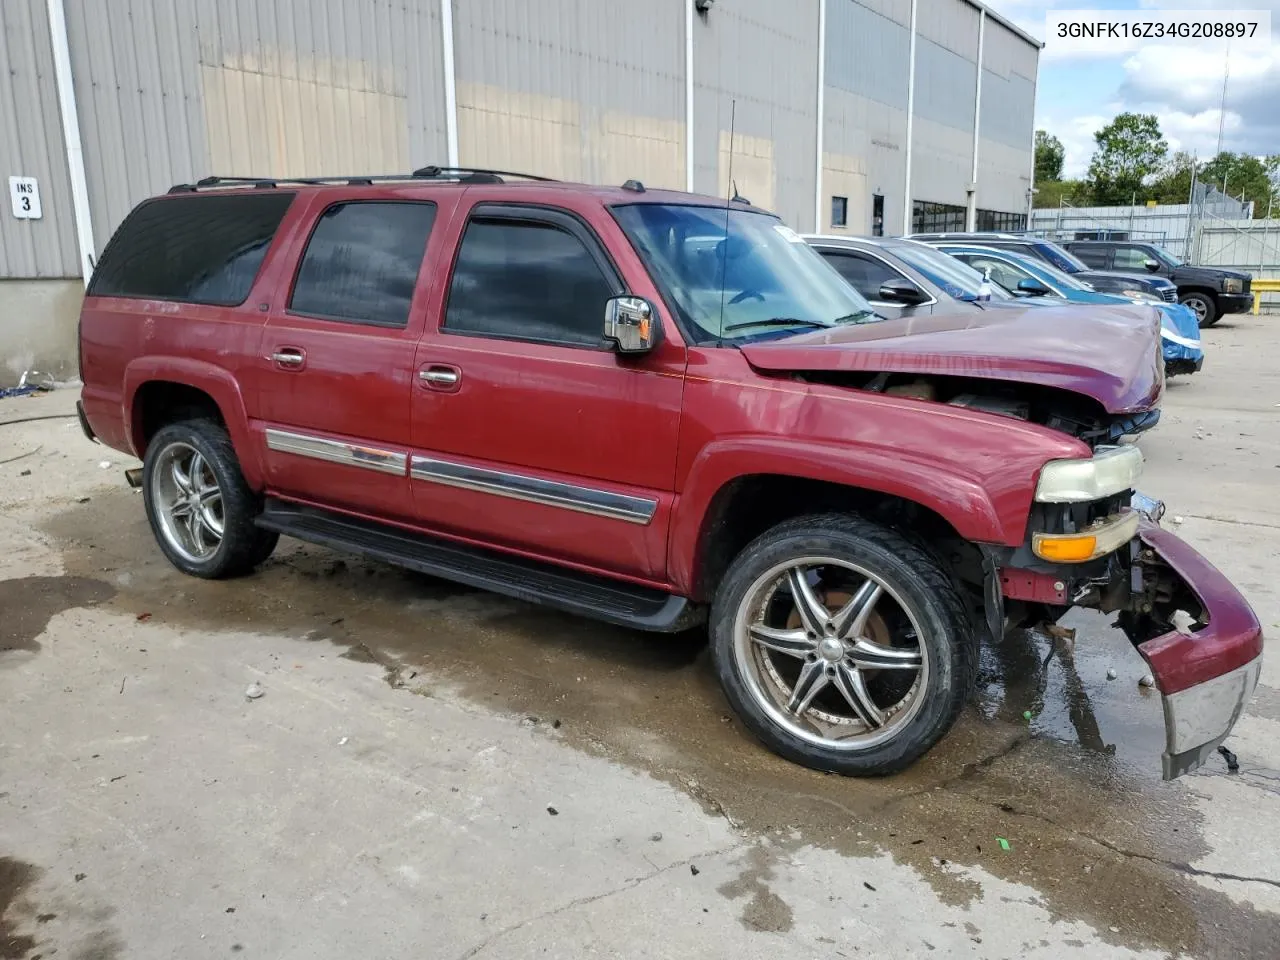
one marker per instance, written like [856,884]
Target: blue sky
[1079,91]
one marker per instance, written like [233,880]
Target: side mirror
[1151,265]
[1032,287]
[630,324]
[901,290]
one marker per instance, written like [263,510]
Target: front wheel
[1203,306]
[842,645]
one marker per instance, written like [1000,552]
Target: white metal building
[105,102]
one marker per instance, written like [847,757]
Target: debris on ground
[1146,680]
[1176,520]
[868,886]
[343,741]
[1004,844]
[143,617]
[655,837]
[553,811]
[1112,674]
[694,870]
[253,691]
[104,465]
[1233,763]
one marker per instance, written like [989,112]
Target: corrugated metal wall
[1008,119]
[764,55]
[31,145]
[173,90]
[573,89]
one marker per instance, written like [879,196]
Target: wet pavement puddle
[1075,790]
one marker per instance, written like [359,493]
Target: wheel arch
[727,503]
[160,390]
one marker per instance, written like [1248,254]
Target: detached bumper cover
[1205,678]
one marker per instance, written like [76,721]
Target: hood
[1111,354]
[1141,279]
[1187,273]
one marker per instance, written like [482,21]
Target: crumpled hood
[1109,353]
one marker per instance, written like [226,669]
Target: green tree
[1130,150]
[1049,157]
[1244,176]
[1051,193]
[1173,185]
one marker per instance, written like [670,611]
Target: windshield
[959,280]
[1058,277]
[758,278]
[1165,257]
[1061,258]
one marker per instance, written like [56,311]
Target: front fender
[948,489]
[217,382]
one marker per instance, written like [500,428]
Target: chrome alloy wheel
[188,501]
[831,653]
[1199,308]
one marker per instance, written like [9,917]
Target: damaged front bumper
[1198,635]
[1205,675]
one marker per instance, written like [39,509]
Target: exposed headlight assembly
[1232,285]
[1109,471]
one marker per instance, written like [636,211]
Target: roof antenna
[728,199]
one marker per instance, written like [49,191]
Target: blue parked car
[1028,277]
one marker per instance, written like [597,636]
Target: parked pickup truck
[1210,292]
[645,407]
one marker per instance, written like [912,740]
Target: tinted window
[1092,256]
[526,280]
[1132,258]
[1002,272]
[361,263]
[200,249]
[865,274]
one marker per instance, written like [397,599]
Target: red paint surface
[1029,585]
[1091,349]
[1232,638]
[675,425]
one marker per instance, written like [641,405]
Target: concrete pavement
[438,772]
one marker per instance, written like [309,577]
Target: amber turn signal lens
[1100,539]
[1068,549]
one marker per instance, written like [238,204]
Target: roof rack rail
[432,172]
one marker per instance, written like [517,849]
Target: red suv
[658,410]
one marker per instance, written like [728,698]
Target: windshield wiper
[777,322]
[860,316]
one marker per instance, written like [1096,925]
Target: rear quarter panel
[127,342]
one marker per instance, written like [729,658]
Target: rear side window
[197,249]
[863,273]
[361,263]
[1092,256]
[527,280]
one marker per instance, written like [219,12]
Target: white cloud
[1182,85]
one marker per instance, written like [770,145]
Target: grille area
[1170,294]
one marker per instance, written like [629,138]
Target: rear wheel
[1203,306]
[842,645]
[198,504]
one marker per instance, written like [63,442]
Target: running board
[612,601]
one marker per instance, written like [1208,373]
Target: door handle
[291,358]
[439,376]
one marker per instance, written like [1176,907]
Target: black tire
[920,584]
[243,545]
[1204,307]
